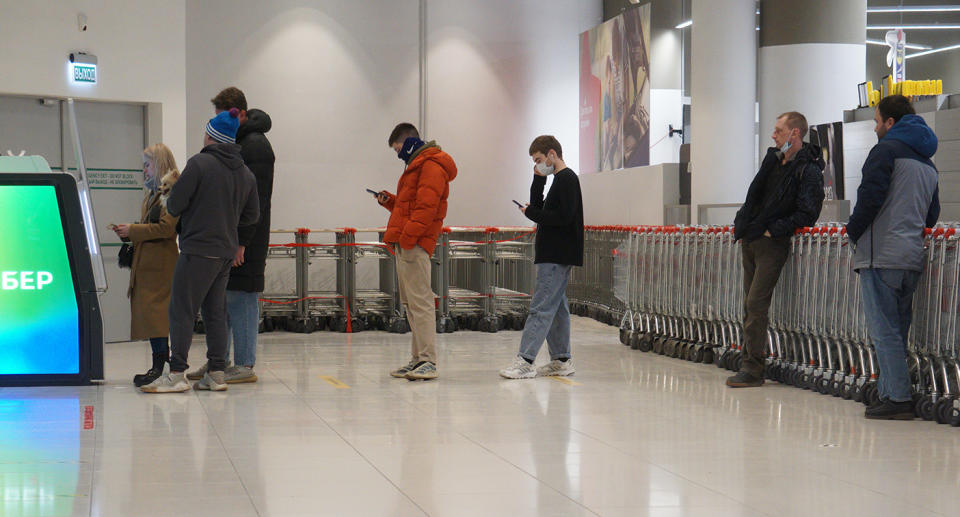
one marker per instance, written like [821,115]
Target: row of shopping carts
[345,280]
[677,291]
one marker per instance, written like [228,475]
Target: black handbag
[125,255]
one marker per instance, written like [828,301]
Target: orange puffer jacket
[420,205]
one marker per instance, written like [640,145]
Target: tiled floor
[635,434]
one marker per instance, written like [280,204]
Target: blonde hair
[162,159]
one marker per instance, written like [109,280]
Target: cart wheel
[473,322]
[927,409]
[824,385]
[870,394]
[698,354]
[451,325]
[857,391]
[502,323]
[520,322]
[625,336]
[339,325]
[738,362]
[846,391]
[199,327]
[646,343]
[943,409]
[633,340]
[358,325]
[483,325]
[323,323]
[955,417]
[268,324]
[709,356]
[260,327]
[835,387]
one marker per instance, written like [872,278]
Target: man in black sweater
[247,276]
[559,247]
[786,194]
[215,194]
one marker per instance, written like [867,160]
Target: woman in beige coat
[155,255]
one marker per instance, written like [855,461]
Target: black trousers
[199,284]
[763,260]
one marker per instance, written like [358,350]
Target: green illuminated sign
[84,73]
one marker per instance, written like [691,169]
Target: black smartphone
[517,203]
[372,192]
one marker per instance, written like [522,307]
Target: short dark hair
[231,97]
[403,131]
[796,120]
[895,107]
[543,144]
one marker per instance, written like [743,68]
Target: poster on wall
[830,139]
[615,93]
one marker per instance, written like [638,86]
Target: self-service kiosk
[51,275]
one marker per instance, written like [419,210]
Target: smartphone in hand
[517,203]
[112,227]
[373,192]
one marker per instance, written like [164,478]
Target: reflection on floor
[327,432]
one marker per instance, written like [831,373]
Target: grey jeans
[199,284]
[549,314]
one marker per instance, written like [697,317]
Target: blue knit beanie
[223,127]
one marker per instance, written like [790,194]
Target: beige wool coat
[155,254]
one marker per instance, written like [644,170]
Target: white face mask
[545,169]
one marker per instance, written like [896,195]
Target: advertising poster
[615,93]
[38,302]
[830,139]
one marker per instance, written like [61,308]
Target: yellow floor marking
[333,381]
[566,381]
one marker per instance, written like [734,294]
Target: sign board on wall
[615,93]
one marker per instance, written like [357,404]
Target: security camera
[82,22]
[83,58]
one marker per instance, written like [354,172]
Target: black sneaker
[890,410]
[744,380]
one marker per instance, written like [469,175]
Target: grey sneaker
[520,369]
[556,368]
[239,374]
[169,383]
[198,374]
[423,372]
[401,373]
[213,381]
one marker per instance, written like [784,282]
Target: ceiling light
[907,27]
[934,51]
[684,24]
[911,46]
[914,9]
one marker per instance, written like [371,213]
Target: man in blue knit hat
[216,193]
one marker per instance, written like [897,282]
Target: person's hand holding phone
[383,197]
[522,207]
[122,230]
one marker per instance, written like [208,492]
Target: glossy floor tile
[326,432]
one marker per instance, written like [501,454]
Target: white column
[809,62]
[723,86]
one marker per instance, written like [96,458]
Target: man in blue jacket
[897,197]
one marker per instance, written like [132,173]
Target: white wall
[641,191]
[337,76]
[139,45]
[829,72]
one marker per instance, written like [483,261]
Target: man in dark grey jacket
[216,193]
[898,196]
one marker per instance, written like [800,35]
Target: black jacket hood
[228,154]
[257,122]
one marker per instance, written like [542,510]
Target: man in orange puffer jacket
[416,220]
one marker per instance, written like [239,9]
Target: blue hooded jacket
[897,198]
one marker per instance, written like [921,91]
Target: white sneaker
[167,383]
[520,369]
[213,381]
[556,368]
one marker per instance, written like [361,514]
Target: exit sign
[84,73]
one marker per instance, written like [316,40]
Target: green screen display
[39,326]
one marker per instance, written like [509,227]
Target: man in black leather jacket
[786,194]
